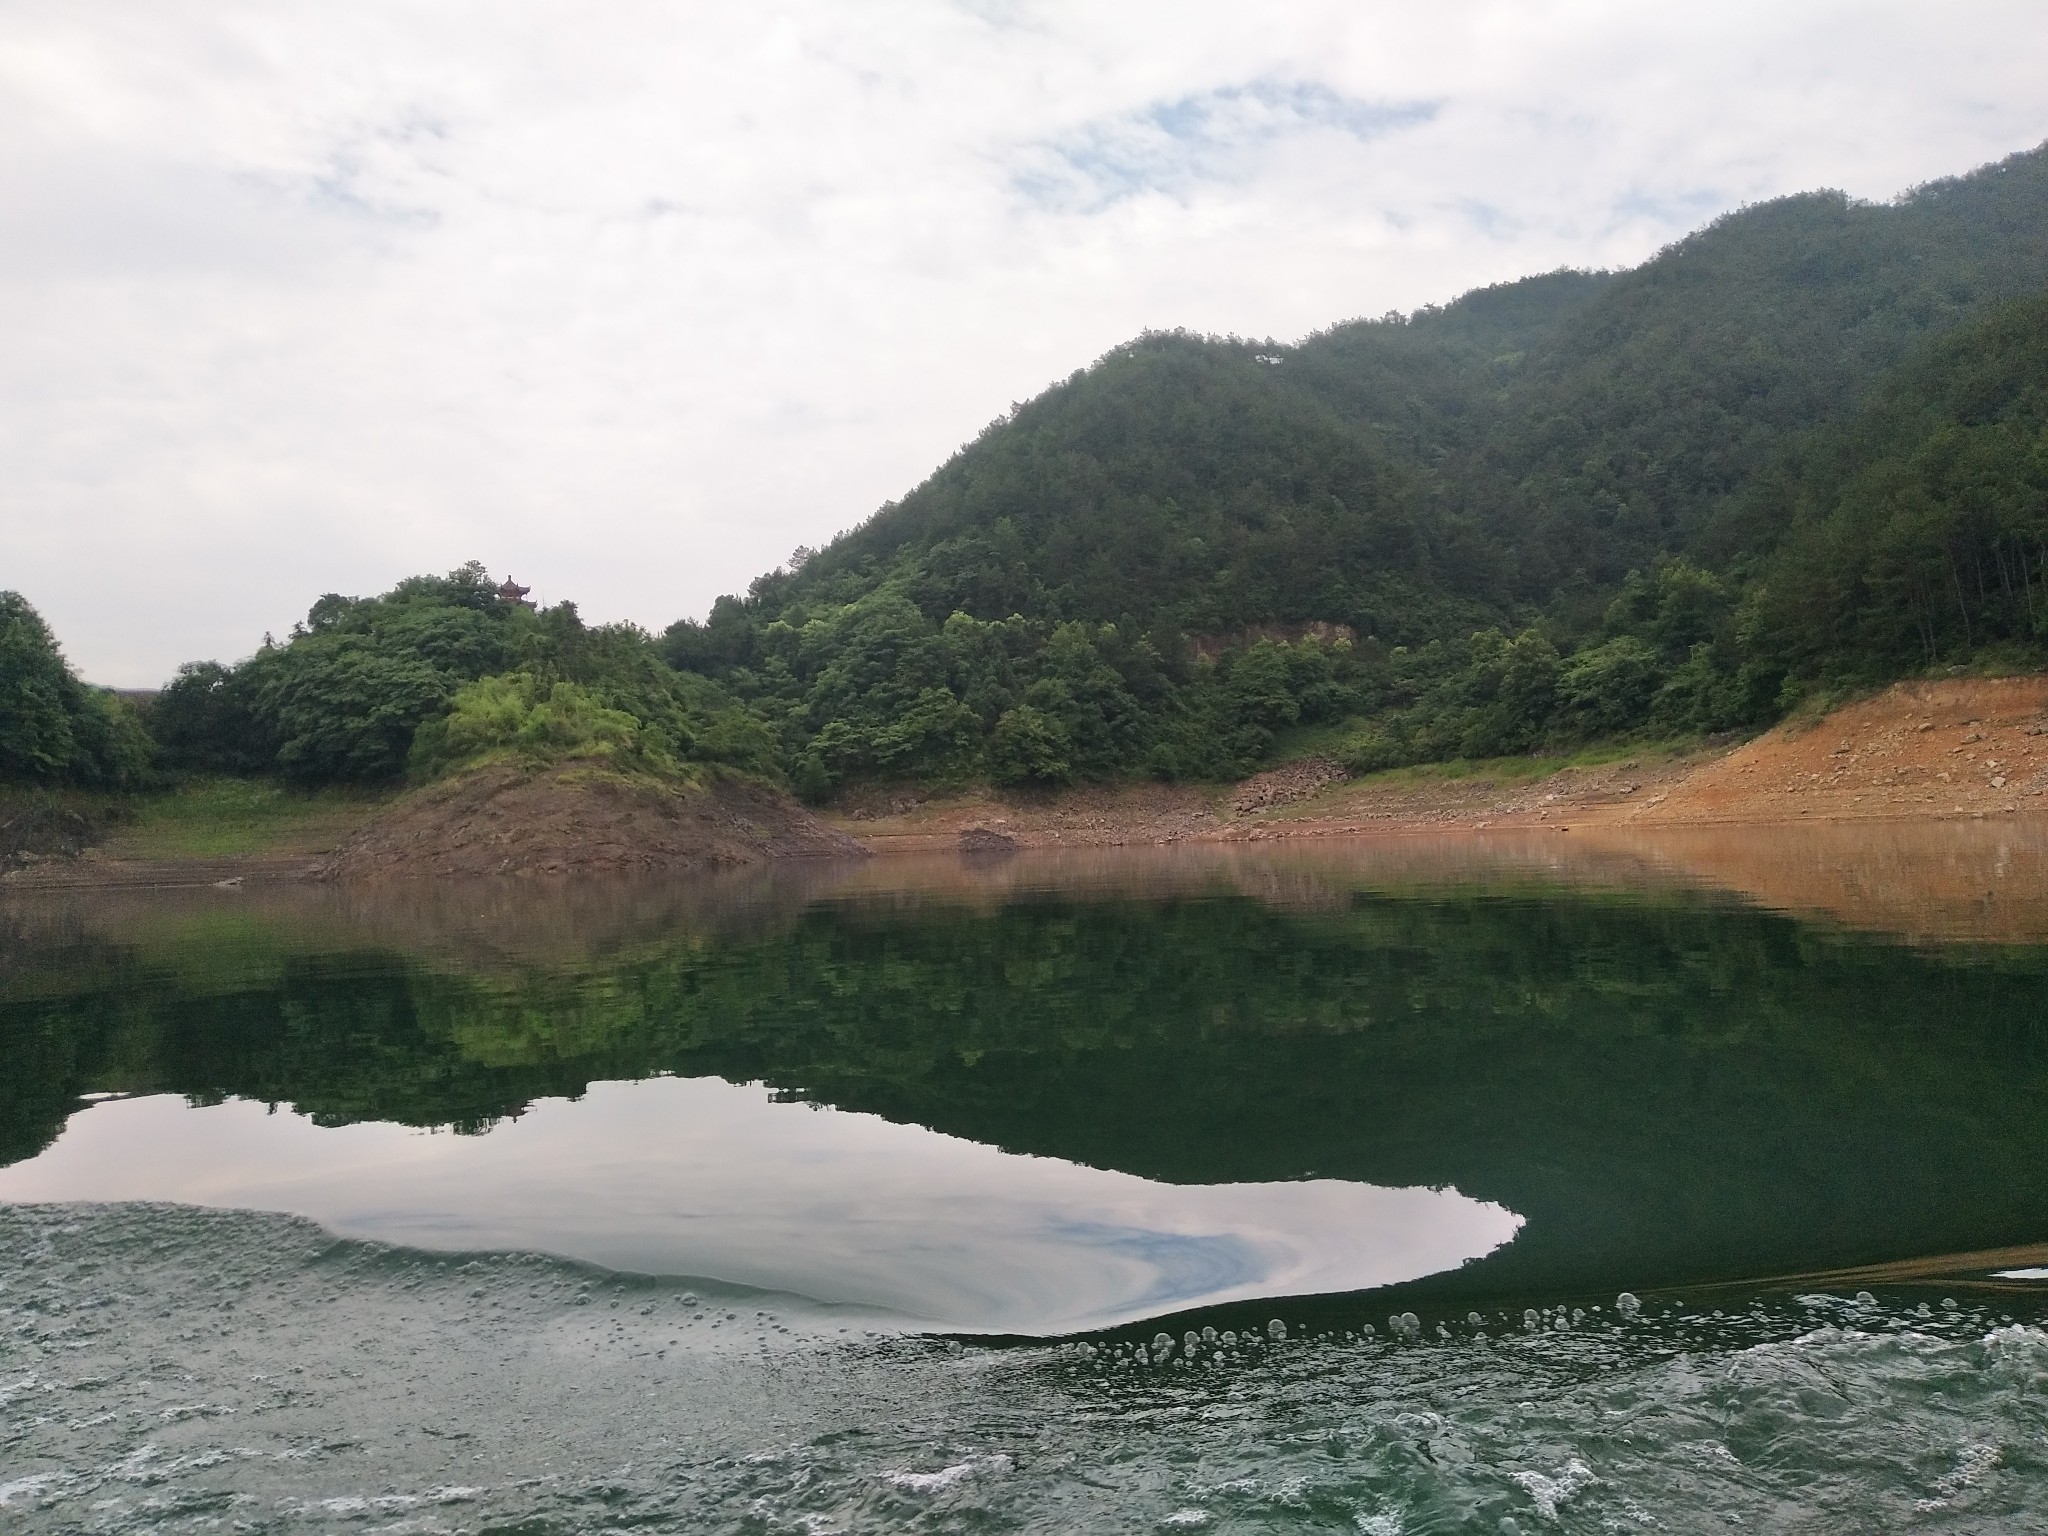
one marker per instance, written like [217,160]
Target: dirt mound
[1286,784]
[513,821]
[34,827]
[1967,747]
[987,840]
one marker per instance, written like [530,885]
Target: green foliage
[517,715]
[1917,532]
[54,729]
[1663,665]
[440,672]
[206,721]
[876,689]
[1029,746]
[1606,688]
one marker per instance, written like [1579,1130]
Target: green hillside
[1543,511]
[1491,450]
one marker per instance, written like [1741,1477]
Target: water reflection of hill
[1976,881]
[1670,1086]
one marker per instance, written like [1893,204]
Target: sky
[630,300]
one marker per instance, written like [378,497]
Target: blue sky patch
[1169,145]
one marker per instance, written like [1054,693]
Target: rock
[987,840]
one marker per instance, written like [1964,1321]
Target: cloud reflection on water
[702,1177]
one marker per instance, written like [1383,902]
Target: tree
[39,698]
[1029,746]
[54,729]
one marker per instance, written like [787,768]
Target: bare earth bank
[510,821]
[1917,751]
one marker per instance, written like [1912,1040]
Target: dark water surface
[737,1204]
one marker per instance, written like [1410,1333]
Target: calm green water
[965,1198]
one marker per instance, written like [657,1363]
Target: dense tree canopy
[1917,531]
[441,672]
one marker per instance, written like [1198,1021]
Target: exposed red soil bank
[1917,750]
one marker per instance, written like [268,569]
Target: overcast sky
[629,299]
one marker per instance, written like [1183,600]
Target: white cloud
[632,300]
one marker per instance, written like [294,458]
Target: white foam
[948,1477]
[27,1487]
[1549,1492]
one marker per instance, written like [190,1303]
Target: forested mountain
[1544,511]
[1806,446]
[1489,451]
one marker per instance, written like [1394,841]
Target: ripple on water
[173,1370]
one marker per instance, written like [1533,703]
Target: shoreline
[1954,750]
[1917,753]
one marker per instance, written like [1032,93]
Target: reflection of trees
[1667,1089]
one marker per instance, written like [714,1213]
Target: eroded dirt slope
[513,821]
[1975,746]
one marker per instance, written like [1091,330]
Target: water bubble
[1948,1304]
[1865,1299]
[1475,1319]
[1628,1305]
[1230,1336]
[1209,1334]
[1276,1329]
[1162,1346]
[1531,1318]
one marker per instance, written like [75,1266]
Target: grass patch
[1498,770]
[1325,739]
[214,818]
[1330,739]
[1522,770]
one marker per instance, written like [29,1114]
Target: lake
[1526,1183]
